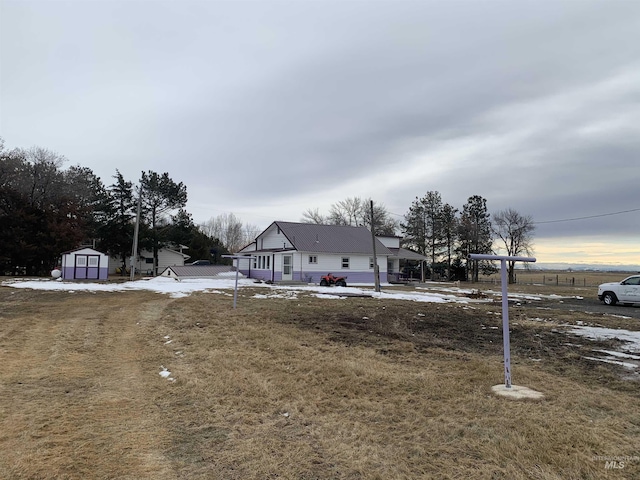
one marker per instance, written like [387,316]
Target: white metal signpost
[508,389]
[237,258]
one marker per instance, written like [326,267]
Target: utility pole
[134,251]
[376,270]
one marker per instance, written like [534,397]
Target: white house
[288,251]
[84,264]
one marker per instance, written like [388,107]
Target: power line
[566,219]
[589,216]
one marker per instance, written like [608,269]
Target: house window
[371,263]
[313,259]
[255,262]
[148,260]
[345,262]
[268,262]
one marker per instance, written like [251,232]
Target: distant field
[561,277]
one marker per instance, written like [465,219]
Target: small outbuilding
[195,271]
[85,264]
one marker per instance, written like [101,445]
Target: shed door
[86,266]
[287,267]
[80,266]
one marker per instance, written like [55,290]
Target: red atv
[329,279]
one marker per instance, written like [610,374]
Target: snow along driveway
[225,283]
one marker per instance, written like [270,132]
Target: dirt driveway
[77,388]
[588,305]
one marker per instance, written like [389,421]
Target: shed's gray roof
[310,237]
[199,270]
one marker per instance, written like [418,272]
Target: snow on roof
[196,271]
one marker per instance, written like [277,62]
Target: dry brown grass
[301,388]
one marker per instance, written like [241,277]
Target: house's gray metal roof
[310,237]
[404,254]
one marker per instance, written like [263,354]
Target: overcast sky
[267,108]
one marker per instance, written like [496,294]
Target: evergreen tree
[449,223]
[160,195]
[423,228]
[475,234]
[116,231]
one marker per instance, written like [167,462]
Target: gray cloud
[269,108]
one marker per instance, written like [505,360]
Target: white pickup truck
[627,291]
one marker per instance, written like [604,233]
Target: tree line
[46,210]
[441,232]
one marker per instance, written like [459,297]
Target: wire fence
[571,279]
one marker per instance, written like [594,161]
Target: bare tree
[355,212]
[382,221]
[230,231]
[516,233]
[350,211]
[251,232]
[40,178]
[313,216]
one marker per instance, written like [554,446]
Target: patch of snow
[231,274]
[630,366]
[328,296]
[631,337]
[619,354]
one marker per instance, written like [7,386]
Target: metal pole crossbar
[505,305]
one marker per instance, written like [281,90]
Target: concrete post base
[516,392]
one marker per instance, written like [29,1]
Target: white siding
[169,258]
[332,263]
[272,239]
[249,248]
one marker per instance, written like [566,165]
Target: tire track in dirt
[76,388]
